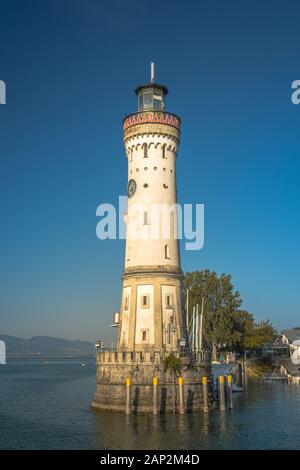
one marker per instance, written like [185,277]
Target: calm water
[47,406]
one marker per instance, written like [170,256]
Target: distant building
[276,350]
[287,367]
[288,336]
[282,347]
[292,371]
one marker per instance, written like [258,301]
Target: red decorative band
[151,116]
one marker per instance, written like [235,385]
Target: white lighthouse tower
[134,376]
[151,314]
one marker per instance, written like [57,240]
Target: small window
[165,186]
[146,168]
[126,303]
[169,300]
[146,185]
[164,169]
[137,170]
[144,335]
[167,252]
[164,151]
[145,300]
[145,221]
[155,168]
[145,151]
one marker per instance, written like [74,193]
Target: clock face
[131,188]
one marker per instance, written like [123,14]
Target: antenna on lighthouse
[152,72]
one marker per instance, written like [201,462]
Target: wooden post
[187,309]
[194,330]
[197,330]
[229,392]
[128,396]
[181,400]
[222,393]
[155,396]
[205,394]
[242,375]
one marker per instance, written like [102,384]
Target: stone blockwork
[114,367]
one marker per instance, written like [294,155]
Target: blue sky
[70,68]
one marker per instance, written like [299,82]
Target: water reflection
[47,406]
[265,416]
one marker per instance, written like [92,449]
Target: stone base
[110,392]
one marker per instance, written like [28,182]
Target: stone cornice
[152,271]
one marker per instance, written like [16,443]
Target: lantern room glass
[151,98]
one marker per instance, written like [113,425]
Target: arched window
[164,151]
[167,252]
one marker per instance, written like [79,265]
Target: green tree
[259,334]
[226,325]
[221,327]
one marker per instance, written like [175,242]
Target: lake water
[47,406]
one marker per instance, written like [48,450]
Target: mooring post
[155,396]
[229,391]
[128,396]
[205,394]
[181,400]
[243,374]
[222,393]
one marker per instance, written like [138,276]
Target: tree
[258,335]
[226,326]
[221,304]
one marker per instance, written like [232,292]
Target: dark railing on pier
[108,352]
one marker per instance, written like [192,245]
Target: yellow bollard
[205,394]
[128,396]
[181,400]
[222,393]
[155,395]
[229,391]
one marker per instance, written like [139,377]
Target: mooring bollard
[229,391]
[128,396]
[243,374]
[155,396]
[222,393]
[181,401]
[205,394]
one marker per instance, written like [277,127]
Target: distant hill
[46,346]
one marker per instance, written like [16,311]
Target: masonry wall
[110,387]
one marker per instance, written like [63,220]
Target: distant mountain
[46,346]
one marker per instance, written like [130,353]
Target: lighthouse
[133,375]
[151,313]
